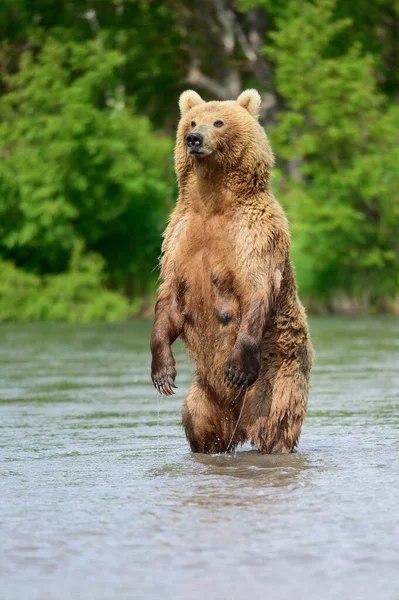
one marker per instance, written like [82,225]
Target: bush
[342,197]
[77,165]
[77,295]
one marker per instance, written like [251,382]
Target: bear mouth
[198,153]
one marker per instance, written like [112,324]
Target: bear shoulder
[263,224]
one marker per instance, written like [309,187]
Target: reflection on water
[267,470]
[100,497]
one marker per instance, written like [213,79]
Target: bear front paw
[242,368]
[163,375]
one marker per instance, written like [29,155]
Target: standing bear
[228,286]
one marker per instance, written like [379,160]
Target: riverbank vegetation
[88,111]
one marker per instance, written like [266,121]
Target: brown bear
[228,286]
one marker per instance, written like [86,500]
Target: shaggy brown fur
[228,287]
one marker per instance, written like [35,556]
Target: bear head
[225,135]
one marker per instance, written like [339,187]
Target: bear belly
[211,316]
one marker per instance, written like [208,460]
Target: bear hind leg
[207,424]
[278,429]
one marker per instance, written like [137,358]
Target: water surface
[100,497]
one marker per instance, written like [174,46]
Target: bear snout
[194,141]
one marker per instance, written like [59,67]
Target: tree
[88,110]
[79,166]
[344,202]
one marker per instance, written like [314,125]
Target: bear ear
[250,100]
[188,99]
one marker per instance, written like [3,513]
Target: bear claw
[243,366]
[164,384]
[237,378]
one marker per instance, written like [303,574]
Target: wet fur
[228,289]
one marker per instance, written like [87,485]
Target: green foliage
[77,165]
[77,295]
[86,183]
[342,132]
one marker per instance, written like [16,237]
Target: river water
[100,497]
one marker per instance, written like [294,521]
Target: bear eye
[193,123]
[218,124]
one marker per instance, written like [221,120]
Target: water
[100,497]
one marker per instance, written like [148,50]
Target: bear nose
[194,140]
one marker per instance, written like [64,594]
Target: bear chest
[204,263]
